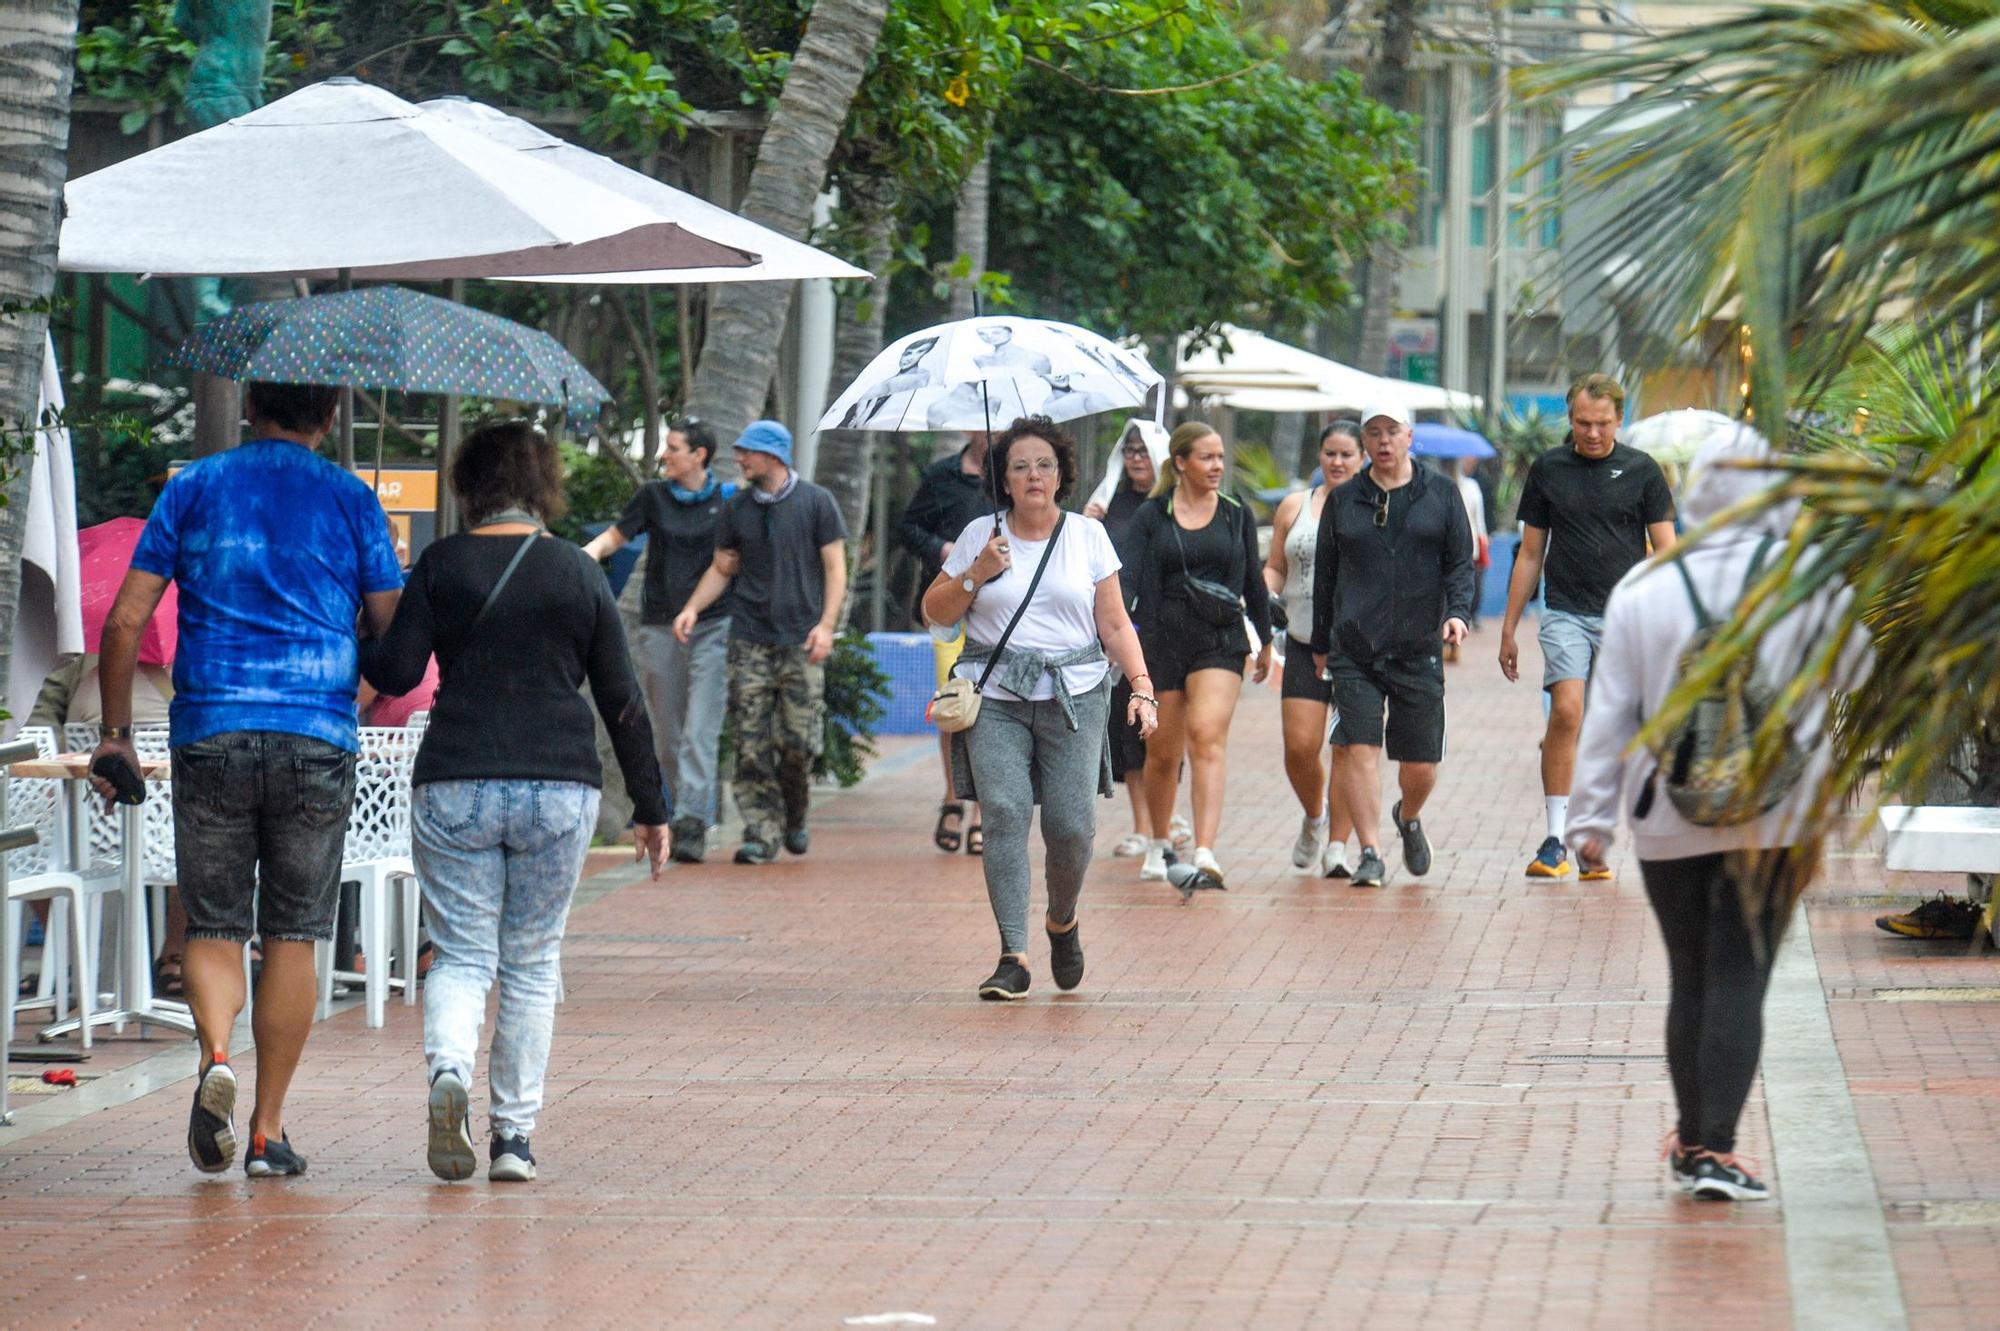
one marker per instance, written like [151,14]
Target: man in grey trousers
[685,683]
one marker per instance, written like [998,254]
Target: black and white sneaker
[1416,846]
[690,840]
[798,840]
[1719,1178]
[450,1154]
[1680,1163]
[1369,870]
[756,852]
[1066,956]
[212,1120]
[510,1161]
[1009,981]
[272,1159]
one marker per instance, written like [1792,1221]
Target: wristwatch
[971,587]
[114,732]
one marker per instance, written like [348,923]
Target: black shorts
[1301,678]
[1128,751]
[260,820]
[1412,690]
[1182,644]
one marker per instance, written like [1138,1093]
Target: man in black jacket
[951,494]
[1392,579]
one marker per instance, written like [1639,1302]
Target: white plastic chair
[377,856]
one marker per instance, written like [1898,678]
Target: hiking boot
[1722,1178]
[1551,860]
[1009,980]
[1416,846]
[272,1159]
[212,1120]
[510,1160]
[1369,870]
[756,852]
[1305,850]
[450,1152]
[798,840]
[690,840]
[1066,957]
[1941,917]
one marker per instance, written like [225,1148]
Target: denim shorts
[1569,645]
[260,819]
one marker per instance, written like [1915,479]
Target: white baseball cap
[1395,411]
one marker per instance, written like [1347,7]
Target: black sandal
[949,839]
[975,840]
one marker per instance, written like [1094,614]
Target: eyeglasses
[1134,450]
[1037,467]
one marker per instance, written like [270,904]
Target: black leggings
[1715,1017]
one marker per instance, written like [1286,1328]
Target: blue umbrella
[1448,441]
[391,337]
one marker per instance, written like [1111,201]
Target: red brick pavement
[775,1101]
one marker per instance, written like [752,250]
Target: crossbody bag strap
[527,543]
[1022,608]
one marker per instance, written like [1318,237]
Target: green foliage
[857,690]
[1255,472]
[1521,437]
[596,488]
[1242,200]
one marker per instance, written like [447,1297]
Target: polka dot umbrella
[391,337]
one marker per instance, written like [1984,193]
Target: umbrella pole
[346,438]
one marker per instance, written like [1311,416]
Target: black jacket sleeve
[616,690]
[395,663]
[1326,573]
[1458,555]
[918,529]
[1256,596]
[1147,595]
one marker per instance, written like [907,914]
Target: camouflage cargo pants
[776,700]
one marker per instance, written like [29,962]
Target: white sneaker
[1333,863]
[1129,846]
[1204,860]
[1305,851]
[1180,832]
[1154,870]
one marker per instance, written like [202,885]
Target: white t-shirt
[1063,615]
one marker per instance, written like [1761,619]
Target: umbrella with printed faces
[104,554]
[981,373]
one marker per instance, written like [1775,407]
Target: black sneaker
[1416,846]
[798,840]
[1066,957]
[510,1160]
[756,852]
[1008,981]
[1680,1163]
[450,1154]
[1721,1179]
[1369,869]
[690,840]
[272,1159]
[212,1120]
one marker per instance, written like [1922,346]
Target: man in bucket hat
[780,541]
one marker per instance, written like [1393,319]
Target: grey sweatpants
[685,691]
[1015,749]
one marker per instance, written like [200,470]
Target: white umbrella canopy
[782,258]
[1676,436]
[1260,373]
[979,374]
[342,175]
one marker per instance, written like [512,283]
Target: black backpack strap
[1022,608]
[1702,618]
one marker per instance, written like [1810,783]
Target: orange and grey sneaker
[1586,872]
[212,1119]
[272,1159]
[1551,860]
[1940,917]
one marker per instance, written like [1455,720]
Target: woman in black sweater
[1198,578]
[504,795]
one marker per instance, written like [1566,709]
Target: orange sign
[403,489]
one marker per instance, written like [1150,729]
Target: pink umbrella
[105,553]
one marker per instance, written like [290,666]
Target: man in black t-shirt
[1591,509]
[683,680]
[781,546]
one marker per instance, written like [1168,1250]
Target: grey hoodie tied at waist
[1021,669]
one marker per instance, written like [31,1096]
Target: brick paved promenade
[775,1102]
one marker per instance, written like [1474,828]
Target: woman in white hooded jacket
[1707,884]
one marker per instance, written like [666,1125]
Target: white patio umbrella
[1676,436]
[345,176]
[981,373]
[1260,373]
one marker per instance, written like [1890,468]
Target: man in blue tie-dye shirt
[276,551]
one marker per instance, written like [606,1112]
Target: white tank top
[1297,594]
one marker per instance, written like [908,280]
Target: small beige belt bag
[956,706]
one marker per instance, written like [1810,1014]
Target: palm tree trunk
[37,56]
[969,224]
[746,320]
[847,457]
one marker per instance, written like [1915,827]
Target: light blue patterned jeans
[499,862]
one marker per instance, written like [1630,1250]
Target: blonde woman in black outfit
[1198,578]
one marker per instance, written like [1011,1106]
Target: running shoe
[1941,917]
[690,840]
[1680,1163]
[1587,872]
[1305,851]
[756,852]
[272,1159]
[510,1161]
[212,1120]
[1723,1178]
[1009,981]
[1416,846]
[1551,860]
[1154,870]
[1129,846]
[1333,864]
[1066,957]
[798,840]
[1204,860]
[1369,870]
[450,1154]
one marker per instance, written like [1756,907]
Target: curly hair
[508,464]
[1030,427]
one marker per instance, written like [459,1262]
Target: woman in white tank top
[1288,572]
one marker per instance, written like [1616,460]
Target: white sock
[1320,821]
[1160,844]
[1558,814]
